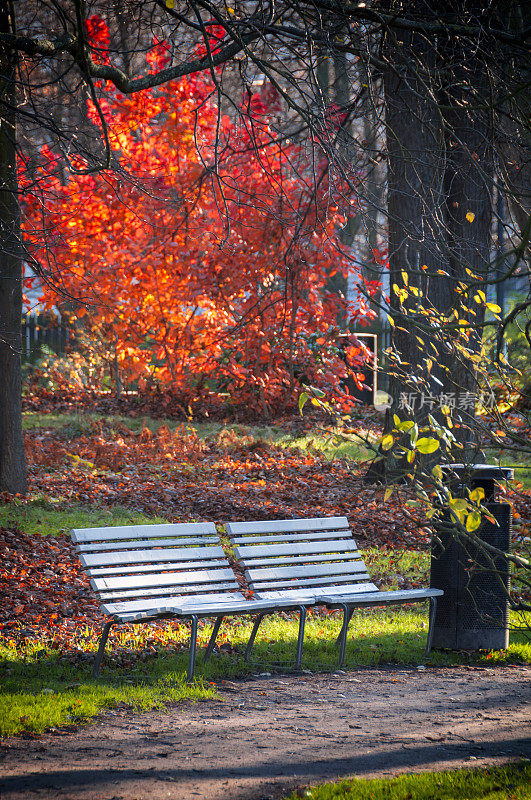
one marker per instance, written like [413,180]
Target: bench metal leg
[433,609]
[250,643]
[101,648]
[193,648]
[300,640]
[347,614]
[213,636]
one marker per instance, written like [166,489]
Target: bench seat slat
[294,537]
[376,597]
[151,556]
[142,531]
[286,525]
[264,562]
[94,572]
[92,547]
[325,582]
[163,591]
[305,571]
[135,606]
[163,579]
[338,546]
[315,593]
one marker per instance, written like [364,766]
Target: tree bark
[415,200]
[12,461]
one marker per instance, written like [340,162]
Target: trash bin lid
[492,471]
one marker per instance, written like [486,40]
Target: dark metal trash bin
[473,613]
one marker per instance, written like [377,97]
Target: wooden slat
[292,537]
[379,598]
[304,594]
[133,606]
[162,579]
[142,531]
[162,591]
[325,582]
[285,525]
[264,562]
[348,589]
[151,556]
[249,552]
[141,569]
[306,571]
[124,545]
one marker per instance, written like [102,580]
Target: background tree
[450,96]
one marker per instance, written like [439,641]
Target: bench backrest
[140,568]
[299,555]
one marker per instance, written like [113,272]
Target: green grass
[511,782]
[43,685]
[519,460]
[51,516]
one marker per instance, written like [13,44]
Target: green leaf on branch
[437,472]
[425,445]
[302,400]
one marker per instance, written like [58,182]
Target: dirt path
[273,733]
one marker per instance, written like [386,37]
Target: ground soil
[266,735]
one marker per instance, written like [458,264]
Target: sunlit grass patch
[51,516]
[496,783]
[45,685]
[333,443]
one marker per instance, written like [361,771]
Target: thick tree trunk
[12,462]
[467,113]
[439,143]
[415,203]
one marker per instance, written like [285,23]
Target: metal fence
[39,331]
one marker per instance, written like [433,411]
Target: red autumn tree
[205,257]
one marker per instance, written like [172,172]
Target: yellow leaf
[473,521]
[477,495]
[405,277]
[459,515]
[437,472]
[410,456]
[387,441]
[458,504]
[391,321]
[426,445]
[470,216]
[170,3]
[429,364]
[494,307]
[388,493]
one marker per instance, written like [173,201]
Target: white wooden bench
[318,556]
[147,572]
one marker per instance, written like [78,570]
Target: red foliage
[205,259]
